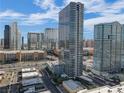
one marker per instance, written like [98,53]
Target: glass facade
[35,41]
[107,49]
[7,37]
[122,57]
[51,38]
[71,36]
[13,36]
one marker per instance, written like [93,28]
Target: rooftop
[29,74]
[45,91]
[28,69]
[56,62]
[22,51]
[8,78]
[105,89]
[31,81]
[2,72]
[72,84]
[30,90]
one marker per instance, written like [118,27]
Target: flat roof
[45,91]
[31,81]
[29,74]
[2,72]
[71,84]
[30,90]
[1,77]
[56,62]
[88,48]
[85,78]
[28,69]
[22,51]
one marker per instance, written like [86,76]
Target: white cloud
[118,5]
[45,4]
[68,1]
[89,23]
[51,13]
[90,5]
[100,6]
[10,13]
[108,12]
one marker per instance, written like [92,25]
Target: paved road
[101,81]
[97,81]
[48,83]
[19,66]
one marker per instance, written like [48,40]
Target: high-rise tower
[71,37]
[7,32]
[108,47]
[15,37]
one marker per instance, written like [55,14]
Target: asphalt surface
[20,65]
[97,81]
[101,81]
[48,83]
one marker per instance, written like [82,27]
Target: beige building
[31,55]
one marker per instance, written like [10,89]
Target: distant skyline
[36,15]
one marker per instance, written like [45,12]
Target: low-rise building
[23,55]
[8,82]
[88,64]
[31,81]
[72,86]
[56,67]
[28,70]
[106,89]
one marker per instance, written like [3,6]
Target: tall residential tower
[71,37]
[108,47]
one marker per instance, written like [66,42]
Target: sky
[36,15]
